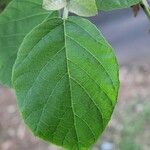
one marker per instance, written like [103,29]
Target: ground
[128,130]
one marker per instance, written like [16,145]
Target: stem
[65,13]
[146,8]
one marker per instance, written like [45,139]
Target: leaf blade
[108,5]
[79,7]
[53,84]
[83,7]
[15,22]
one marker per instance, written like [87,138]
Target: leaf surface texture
[20,17]
[79,7]
[108,5]
[66,81]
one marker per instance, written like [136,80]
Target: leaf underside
[108,5]
[83,7]
[79,7]
[90,7]
[54,4]
[66,81]
[16,21]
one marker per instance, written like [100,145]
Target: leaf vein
[94,58]
[93,80]
[89,97]
[64,24]
[47,102]
[41,71]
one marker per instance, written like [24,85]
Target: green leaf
[3,4]
[15,22]
[66,81]
[83,7]
[79,7]
[54,4]
[115,4]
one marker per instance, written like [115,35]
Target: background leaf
[83,7]
[79,7]
[115,4]
[15,22]
[66,81]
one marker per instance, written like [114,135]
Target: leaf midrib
[70,86]
[69,77]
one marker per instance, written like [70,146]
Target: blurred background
[129,128]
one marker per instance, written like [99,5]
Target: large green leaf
[15,22]
[79,7]
[66,81]
[115,4]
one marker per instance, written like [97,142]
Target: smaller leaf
[79,7]
[83,7]
[54,4]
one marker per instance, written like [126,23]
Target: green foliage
[3,4]
[83,7]
[66,84]
[66,75]
[115,4]
[15,22]
[31,14]
[79,7]
[88,8]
